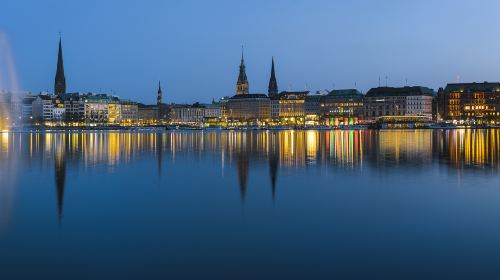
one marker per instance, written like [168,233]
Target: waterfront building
[470,103]
[313,110]
[96,109]
[342,107]
[242,86]
[129,112]
[114,111]
[74,103]
[212,111]
[187,114]
[147,114]
[27,108]
[58,111]
[292,107]
[43,108]
[48,109]
[60,79]
[248,109]
[404,105]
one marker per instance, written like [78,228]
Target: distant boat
[442,126]
[354,127]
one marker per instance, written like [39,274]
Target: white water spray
[9,93]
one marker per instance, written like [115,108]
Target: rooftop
[486,86]
[249,96]
[399,91]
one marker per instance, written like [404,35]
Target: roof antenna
[406,82]
[386,80]
[378,81]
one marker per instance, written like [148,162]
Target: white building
[213,110]
[43,108]
[419,105]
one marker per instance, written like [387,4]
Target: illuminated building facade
[187,114]
[147,114]
[74,103]
[248,108]
[48,109]
[27,108]
[342,107]
[470,103]
[129,112]
[292,107]
[404,104]
[313,110]
[43,108]
[97,109]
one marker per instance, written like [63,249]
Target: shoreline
[188,128]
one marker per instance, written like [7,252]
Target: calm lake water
[407,204]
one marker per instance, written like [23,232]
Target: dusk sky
[194,47]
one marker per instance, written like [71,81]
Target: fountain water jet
[9,93]
[10,89]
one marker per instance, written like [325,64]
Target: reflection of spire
[243,174]
[273,163]
[273,170]
[60,177]
[159,151]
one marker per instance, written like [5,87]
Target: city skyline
[336,50]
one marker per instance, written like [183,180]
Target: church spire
[242,84]
[159,98]
[60,80]
[273,84]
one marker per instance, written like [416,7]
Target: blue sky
[193,47]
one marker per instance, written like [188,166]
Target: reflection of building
[60,172]
[243,166]
[476,103]
[273,162]
[342,107]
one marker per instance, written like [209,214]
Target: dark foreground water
[251,205]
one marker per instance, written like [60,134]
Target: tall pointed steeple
[242,84]
[273,84]
[159,98]
[60,80]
